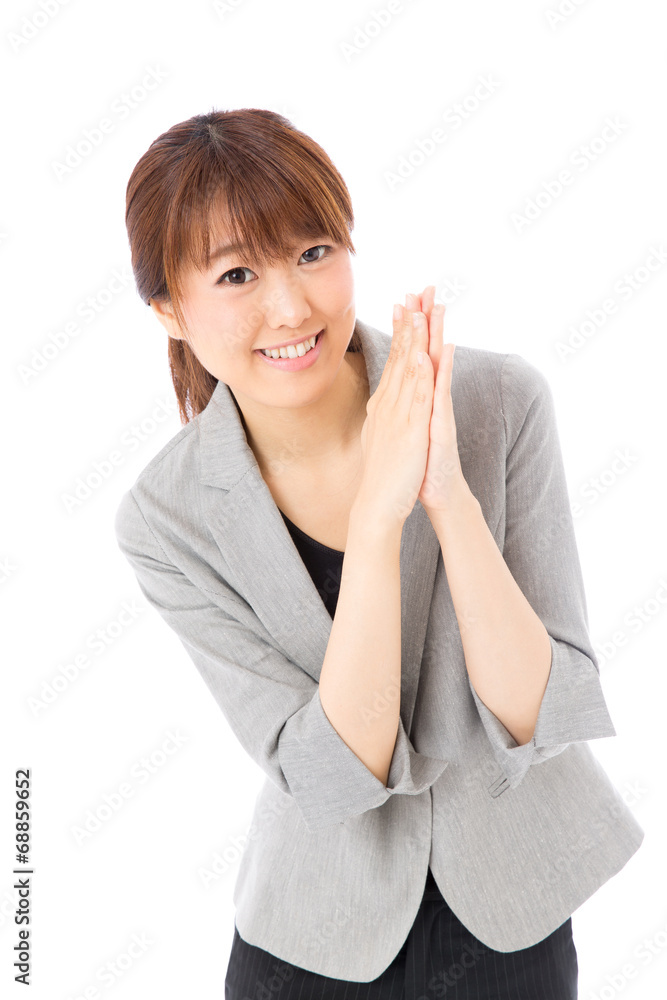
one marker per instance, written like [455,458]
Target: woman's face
[236,308]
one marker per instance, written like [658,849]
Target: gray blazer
[334,866]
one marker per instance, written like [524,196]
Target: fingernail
[398,311]
[420,357]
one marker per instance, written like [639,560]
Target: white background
[369,95]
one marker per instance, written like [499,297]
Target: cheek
[337,288]
[219,328]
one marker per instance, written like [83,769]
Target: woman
[367,550]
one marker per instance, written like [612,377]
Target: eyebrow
[227,250]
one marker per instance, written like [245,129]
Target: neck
[301,438]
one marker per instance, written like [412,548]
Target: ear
[165,314]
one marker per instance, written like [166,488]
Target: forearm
[506,646]
[360,680]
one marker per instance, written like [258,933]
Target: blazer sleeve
[541,552]
[271,704]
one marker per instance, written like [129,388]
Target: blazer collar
[265,564]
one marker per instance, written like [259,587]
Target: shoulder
[165,485]
[177,458]
[509,374]
[495,397]
[490,379]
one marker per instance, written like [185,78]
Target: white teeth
[293,351]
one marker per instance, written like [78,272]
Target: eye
[236,271]
[320,246]
[233,271]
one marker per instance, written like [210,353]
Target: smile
[293,351]
[294,358]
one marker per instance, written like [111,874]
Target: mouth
[298,350]
[295,357]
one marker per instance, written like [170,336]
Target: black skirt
[439,958]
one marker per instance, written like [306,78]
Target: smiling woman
[368,552]
[218,186]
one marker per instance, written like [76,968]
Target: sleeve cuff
[411,773]
[338,785]
[573,678]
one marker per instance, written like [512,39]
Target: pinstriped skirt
[439,958]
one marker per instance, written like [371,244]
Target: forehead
[221,233]
[223,246]
[260,247]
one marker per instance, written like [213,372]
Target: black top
[324,564]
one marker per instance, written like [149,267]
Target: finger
[417,383]
[443,384]
[427,300]
[424,393]
[436,329]
[424,303]
[414,302]
[399,352]
[398,332]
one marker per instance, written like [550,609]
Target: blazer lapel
[264,566]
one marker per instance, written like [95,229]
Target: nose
[285,303]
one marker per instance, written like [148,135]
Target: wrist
[460,500]
[368,520]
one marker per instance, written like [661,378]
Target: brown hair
[277,186]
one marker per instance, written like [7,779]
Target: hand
[395,434]
[443,478]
